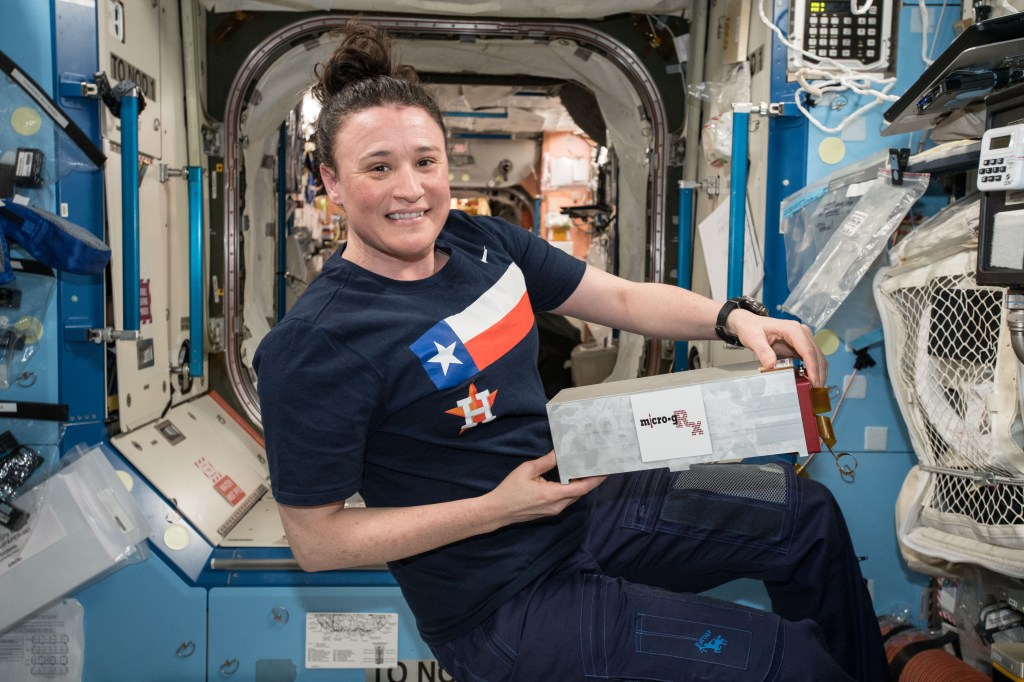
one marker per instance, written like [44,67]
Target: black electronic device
[12,518]
[986,58]
[28,168]
[6,180]
[864,41]
[964,86]
[1001,225]
[17,464]
[596,216]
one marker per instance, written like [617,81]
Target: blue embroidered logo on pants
[705,643]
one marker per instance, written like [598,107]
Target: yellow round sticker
[26,121]
[177,537]
[126,479]
[827,341]
[832,150]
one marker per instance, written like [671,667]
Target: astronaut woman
[407,372]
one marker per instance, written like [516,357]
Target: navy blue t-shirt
[416,392]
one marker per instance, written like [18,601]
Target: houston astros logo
[475,408]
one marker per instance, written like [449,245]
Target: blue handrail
[130,209]
[684,274]
[738,198]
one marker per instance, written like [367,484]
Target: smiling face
[391,176]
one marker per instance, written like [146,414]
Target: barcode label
[853,223]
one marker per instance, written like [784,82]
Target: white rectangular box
[1008,661]
[676,420]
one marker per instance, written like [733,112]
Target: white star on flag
[445,357]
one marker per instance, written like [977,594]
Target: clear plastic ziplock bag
[29,454]
[85,526]
[810,216]
[23,304]
[852,249]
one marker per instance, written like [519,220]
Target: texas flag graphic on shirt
[460,346]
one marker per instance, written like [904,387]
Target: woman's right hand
[525,494]
[331,537]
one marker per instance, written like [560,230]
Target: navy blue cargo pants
[625,605]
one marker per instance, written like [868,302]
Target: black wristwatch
[732,304]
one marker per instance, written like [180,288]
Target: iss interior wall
[144,622]
[26,42]
[150,41]
[868,500]
[256,630]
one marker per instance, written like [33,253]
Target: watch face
[753,306]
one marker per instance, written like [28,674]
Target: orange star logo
[476,408]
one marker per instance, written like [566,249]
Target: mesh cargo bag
[954,375]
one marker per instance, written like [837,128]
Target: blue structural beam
[684,274]
[738,197]
[130,209]
[787,147]
[195,271]
[81,299]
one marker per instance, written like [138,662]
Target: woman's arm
[330,537]
[668,312]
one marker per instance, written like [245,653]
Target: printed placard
[48,646]
[671,424]
[231,491]
[351,640]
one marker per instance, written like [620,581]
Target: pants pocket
[638,632]
[481,655]
[744,503]
[658,635]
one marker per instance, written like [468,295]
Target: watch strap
[744,302]
[720,328]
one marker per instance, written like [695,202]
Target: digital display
[170,432]
[817,7]
[1001,142]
